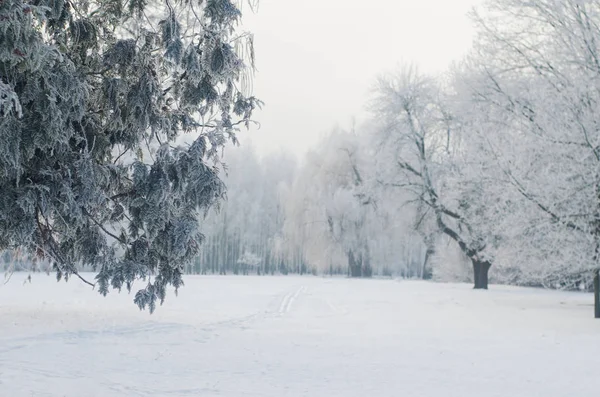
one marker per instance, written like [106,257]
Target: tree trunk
[476,272]
[427,274]
[367,270]
[480,273]
[597,293]
[354,265]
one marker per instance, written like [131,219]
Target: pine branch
[121,195]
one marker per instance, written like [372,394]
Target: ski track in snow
[288,300]
[298,336]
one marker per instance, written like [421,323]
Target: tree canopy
[113,115]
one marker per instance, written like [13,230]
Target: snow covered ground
[297,336]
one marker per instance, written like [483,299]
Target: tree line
[495,162]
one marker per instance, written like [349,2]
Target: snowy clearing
[297,336]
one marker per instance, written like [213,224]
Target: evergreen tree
[95,96]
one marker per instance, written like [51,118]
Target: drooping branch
[48,240]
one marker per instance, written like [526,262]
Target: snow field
[297,336]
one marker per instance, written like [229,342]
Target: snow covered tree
[329,213]
[278,174]
[538,68]
[94,98]
[252,216]
[338,218]
[420,153]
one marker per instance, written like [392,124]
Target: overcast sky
[317,59]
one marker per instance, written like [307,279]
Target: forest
[490,166]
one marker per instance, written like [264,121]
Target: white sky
[317,59]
